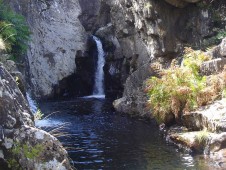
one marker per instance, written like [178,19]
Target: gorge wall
[56,37]
[151,30]
[134,34]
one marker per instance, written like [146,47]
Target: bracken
[181,89]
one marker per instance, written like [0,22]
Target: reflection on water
[101,139]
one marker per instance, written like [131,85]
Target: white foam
[94,96]
[47,123]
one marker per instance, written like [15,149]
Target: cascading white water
[99,75]
[45,122]
[32,103]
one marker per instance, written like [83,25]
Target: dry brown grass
[179,90]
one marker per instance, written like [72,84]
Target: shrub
[13,30]
[181,88]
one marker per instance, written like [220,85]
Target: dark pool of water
[99,138]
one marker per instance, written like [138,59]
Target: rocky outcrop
[22,146]
[140,31]
[147,31]
[204,129]
[215,65]
[211,144]
[13,69]
[14,109]
[211,117]
[57,36]
[135,106]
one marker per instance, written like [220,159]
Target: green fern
[13,30]
[179,88]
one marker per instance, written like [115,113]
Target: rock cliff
[22,146]
[148,31]
[57,36]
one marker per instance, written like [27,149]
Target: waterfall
[32,103]
[98,90]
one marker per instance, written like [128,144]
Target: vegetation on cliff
[13,31]
[181,89]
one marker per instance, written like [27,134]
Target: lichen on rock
[22,146]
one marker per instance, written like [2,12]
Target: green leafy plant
[17,80]
[38,115]
[180,89]
[13,30]
[28,151]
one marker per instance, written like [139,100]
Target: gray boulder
[22,146]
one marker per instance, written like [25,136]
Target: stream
[98,138]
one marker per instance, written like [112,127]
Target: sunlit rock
[21,144]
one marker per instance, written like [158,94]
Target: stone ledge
[212,117]
[213,66]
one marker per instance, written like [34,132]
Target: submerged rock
[21,144]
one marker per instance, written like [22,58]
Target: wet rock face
[57,36]
[21,144]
